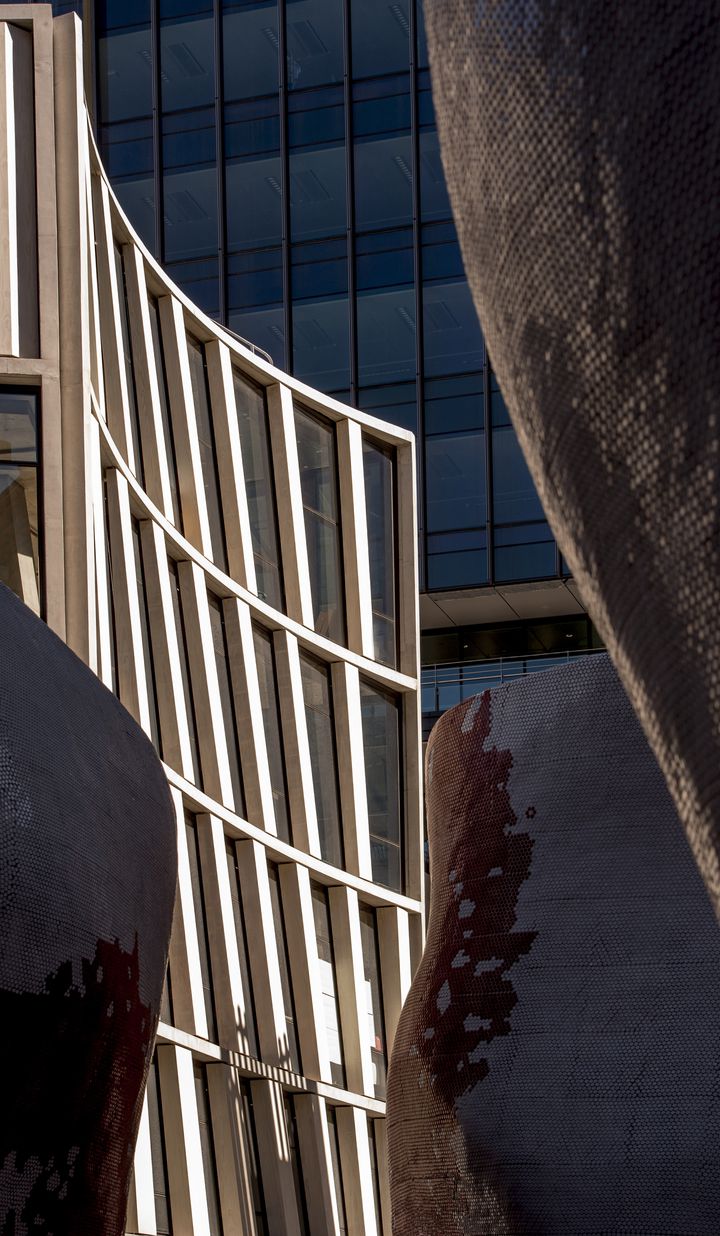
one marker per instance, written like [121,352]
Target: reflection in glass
[207,1149]
[373,998]
[336,1171]
[267,679]
[227,702]
[181,637]
[148,662]
[124,74]
[515,498]
[318,479]
[242,946]
[380,505]
[251,405]
[381,739]
[198,900]
[250,49]
[187,62]
[455,481]
[163,1220]
[317,694]
[129,369]
[292,1047]
[165,410]
[208,453]
[253,174]
[19,556]
[190,185]
[380,37]
[314,42]
[383,153]
[326,966]
[524,551]
[386,331]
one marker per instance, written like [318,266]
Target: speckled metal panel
[555,1070]
[87,883]
[582,149]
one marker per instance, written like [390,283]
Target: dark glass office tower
[281,159]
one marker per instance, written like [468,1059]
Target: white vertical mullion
[188,1197]
[351,989]
[395,966]
[259,802]
[356,554]
[351,768]
[304,970]
[128,631]
[301,788]
[147,390]
[116,391]
[104,599]
[141,1202]
[263,952]
[314,1139]
[174,725]
[236,516]
[291,516]
[212,739]
[357,1171]
[232,1015]
[185,432]
[187,985]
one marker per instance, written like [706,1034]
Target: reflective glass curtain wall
[281,158]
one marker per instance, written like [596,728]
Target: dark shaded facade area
[554,1066]
[87,884]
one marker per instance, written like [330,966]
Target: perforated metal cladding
[581,145]
[87,883]
[554,1069]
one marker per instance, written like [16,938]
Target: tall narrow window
[110,591]
[380,504]
[163,1218]
[336,1170]
[166,1002]
[296,1161]
[381,738]
[373,998]
[207,1147]
[252,1159]
[265,658]
[208,452]
[317,694]
[326,964]
[129,368]
[251,404]
[293,1046]
[145,637]
[217,622]
[375,1174]
[318,479]
[165,410]
[184,668]
[19,527]
[198,896]
[242,947]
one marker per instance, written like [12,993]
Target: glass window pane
[455,481]
[181,636]
[451,332]
[380,505]
[314,42]
[18,427]
[190,185]
[380,37]
[321,342]
[207,1148]
[253,174]
[252,1158]
[148,661]
[434,200]
[386,335]
[292,1047]
[267,678]
[129,369]
[373,998]
[383,153]
[198,897]
[317,695]
[397,404]
[374,1173]
[318,478]
[250,49]
[381,739]
[187,62]
[161,1190]
[251,406]
[208,454]
[241,938]
[317,175]
[19,527]
[336,1170]
[125,72]
[165,411]
[524,551]
[227,702]
[515,498]
[326,964]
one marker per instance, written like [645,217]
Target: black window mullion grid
[285,183]
[489,525]
[157,130]
[417,274]
[350,204]
[220,159]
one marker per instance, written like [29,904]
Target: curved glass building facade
[234,554]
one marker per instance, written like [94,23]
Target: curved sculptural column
[554,1070]
[87,882]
